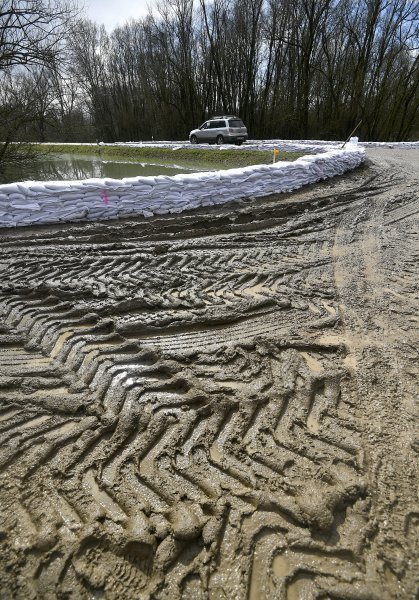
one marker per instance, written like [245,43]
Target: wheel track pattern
[179,414]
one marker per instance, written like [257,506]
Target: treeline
[288,68]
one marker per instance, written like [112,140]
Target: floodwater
[55,167]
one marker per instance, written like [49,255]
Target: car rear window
[235,123]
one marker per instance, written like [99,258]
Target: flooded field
[50,167]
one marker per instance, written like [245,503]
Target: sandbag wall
[309,146]
[30,203]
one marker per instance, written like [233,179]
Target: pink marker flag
[105,198]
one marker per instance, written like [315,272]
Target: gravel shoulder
[220,404]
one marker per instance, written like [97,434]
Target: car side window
[217,124]
[205,125]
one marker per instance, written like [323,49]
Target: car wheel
[239,143]
[219,140]
[194,139]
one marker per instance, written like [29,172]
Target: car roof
[224,117]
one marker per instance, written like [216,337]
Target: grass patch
[191,157]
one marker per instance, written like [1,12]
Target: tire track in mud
[217,405]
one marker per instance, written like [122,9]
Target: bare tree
[90,48]
[32,34]
[16,114]
[33,31]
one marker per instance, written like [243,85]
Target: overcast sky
[112,13]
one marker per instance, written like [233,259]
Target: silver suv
[226,129]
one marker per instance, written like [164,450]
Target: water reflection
[78,166]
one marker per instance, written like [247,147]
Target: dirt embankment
[215,405]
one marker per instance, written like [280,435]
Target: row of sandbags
[29,203]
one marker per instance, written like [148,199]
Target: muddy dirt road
[218,405]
